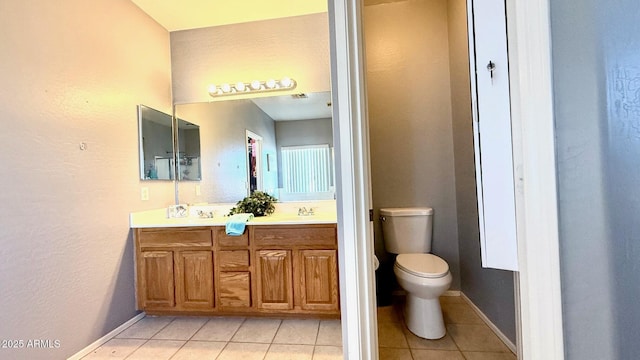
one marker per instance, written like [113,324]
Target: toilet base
[424,317]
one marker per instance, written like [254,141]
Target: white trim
[518,308]
[96,344]
[351,141]
[538,243]
[491,325]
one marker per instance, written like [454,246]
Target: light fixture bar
[255,86]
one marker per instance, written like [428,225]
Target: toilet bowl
[424,276]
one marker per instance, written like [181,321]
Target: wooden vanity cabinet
[175,269]
[297,267]
[233,272]
[156,283]
[194,279]
[318,276]
[270,269]
[274,283]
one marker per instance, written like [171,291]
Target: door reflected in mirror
[156,144]
[289,122]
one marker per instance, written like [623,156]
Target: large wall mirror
[295,148]
[158,135]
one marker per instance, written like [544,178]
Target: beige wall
[409,96]
[297,47]
[73,71]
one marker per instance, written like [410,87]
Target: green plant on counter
[259,204]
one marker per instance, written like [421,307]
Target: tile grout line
[147,340]
[315,341]
[231,338]
[273,338]
[189,339]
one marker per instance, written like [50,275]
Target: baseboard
[490,324]
[96,344]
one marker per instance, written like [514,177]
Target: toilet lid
[423,265]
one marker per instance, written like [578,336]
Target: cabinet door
[493,147]
[234,289]
[318,274]
[274,279]
[194,279]
[157,288]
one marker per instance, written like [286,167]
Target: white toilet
[407,232]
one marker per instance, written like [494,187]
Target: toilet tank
[407,230]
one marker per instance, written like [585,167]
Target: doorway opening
[254,162]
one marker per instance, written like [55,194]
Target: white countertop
[282,216]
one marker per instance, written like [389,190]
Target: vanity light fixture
[285,83]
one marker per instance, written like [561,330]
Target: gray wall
[302,132]
[491,290]
[73,71]
[223,126]
[596,69]
[409,101]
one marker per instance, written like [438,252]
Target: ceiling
[176,15]
[296,107]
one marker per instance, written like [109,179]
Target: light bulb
[225,88]
[213,89]
[255,84]
[271,84]
[286,82]
[240,86]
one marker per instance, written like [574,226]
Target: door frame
[540,311]
[259,172]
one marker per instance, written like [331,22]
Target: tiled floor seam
[189,339]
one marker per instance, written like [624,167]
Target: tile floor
[468,337]
[224,338]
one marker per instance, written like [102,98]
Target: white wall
[297,47]
[73,71]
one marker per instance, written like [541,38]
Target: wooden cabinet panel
[225,241]
[274,279]
[157,286]
[233,260]
[194,279]
[270,269]
[295,235]
[318,274]
[234,289]
[180,237]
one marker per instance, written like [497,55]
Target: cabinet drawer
[235,289]
[295,235]
[182,237]
[233,260]
[224,240]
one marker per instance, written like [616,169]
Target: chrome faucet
[304,212]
